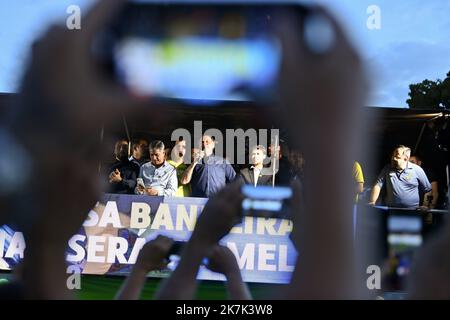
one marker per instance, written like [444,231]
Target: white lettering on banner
[248,225]
[258,244]
[16,246]
[282,265]
[264,255]
[117,247]
[75,246]
[266,224]
[138,244]
[91,220]
[110,216]
[140,215]
[183,218]
[111,249]
[247,260]
[96,244]
[163,218]
[236,230]
[285,227]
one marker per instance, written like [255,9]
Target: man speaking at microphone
[207,173]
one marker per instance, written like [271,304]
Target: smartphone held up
[197,53]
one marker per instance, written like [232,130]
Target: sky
[412,44]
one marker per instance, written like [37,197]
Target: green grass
[105,288]
[94,287]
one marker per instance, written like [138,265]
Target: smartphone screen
[266,201]
[140,182]
[197,53]
[403,238]
[196,68]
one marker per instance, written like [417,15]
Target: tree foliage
[430,94]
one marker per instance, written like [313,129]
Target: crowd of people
[157,170]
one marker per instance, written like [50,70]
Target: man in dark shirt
[288,163]
[139,152]
[255,174]
[207,173]
[123,173]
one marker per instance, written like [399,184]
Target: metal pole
[275,159]
[419,139]
[102,135]
[448,187]
[128,134]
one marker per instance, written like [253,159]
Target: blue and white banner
[118,227]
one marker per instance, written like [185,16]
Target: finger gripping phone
[140,183]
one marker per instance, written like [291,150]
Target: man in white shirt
[158,177]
